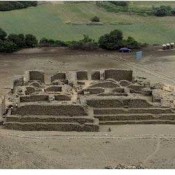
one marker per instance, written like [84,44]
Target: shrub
[132,43]
[7,5]
[30,41]
[7,46]
[19,40]
[173,12]
[162,11]
[3,34]
[51,43]
[111,41]
[95,19]
[120,3]
[85,44]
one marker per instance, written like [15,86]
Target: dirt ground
[151,146]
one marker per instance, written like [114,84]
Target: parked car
[125,49]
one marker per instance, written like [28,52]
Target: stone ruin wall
[82,101]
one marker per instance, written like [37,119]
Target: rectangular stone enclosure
[118,74]
[34,75]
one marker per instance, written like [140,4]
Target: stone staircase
[130,111]
[53,117]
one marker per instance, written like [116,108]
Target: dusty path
[127,144]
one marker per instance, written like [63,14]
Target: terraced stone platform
[82,101]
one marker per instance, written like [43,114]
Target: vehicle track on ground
[148,70]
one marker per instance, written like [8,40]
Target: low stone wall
[106,84]
[34,98]
[105,102]
[118,74]
[29,90]
[82,75]
[51,126]
[133,110]
[34,75]
[35,83]
[118,90]
[2,106]
[48,109]
[112,94]
[54,88]
[135,88]
[62,97]
[58,76]
[81,120]
[94,90]
[125,117]
[124,83]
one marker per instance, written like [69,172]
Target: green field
[68,21]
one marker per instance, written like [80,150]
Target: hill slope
[68,21]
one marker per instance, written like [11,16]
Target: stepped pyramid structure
[82,101]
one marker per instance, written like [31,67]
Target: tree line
[110,41]
[13,5]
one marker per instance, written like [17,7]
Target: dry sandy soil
[151,146]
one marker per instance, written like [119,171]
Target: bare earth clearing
[151,146]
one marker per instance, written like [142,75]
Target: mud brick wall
[52,127]
[53,88]
[113,94]
[94,90]
[2,105]
[106,102]
[133,111]
[34,75]
[62,98]
[56,110]
[118,90]
[95,75]
[29,90]
[37,118]
[34,98]
[35,84]
[107,84]
[18,81]
[82,75]
[58,76]
[138,103]
[135,88]
[118,74]
[124,83]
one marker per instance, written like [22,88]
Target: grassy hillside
[68,21]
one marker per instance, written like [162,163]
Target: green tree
[30,41]
[7,46]
[19,40]
[162,11]
[3,34]
[120,3]
[132,43]
[111,41]
[85,44]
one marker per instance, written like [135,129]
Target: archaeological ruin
[83,101]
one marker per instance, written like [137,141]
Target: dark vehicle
[125,49]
